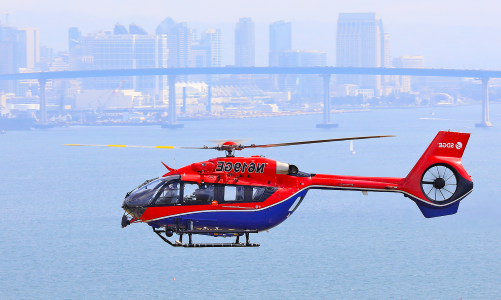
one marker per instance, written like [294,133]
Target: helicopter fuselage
[258,193]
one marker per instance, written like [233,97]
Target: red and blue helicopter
[236,196]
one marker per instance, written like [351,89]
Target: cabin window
[194,193]
[258,192]
[230,193]
[263,193]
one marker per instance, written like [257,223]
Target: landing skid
[190,244]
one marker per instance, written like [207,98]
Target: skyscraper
[206,52]
[136,29]
[407,83]
[28,47]
[120,29]
[244,43]
[359,45]
[8,61]
[179,41]
[126,51]
[165,26]
[310,86]
[280,40]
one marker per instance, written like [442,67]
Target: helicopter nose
[133,208]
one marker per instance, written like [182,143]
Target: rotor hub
[439,183]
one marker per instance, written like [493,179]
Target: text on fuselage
[240,167]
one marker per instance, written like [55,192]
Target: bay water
[60,233]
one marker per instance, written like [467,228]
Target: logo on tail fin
[458,145]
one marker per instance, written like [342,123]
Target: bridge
[325,72]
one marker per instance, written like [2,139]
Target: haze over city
[450,34]
[341,149]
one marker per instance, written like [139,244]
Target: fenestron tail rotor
[231,146]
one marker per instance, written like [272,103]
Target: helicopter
[234,196]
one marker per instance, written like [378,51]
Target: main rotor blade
[129,146]
[319,141]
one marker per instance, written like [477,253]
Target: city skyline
[444,33]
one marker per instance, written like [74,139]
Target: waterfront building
[19,49]
[136,29]
[179,42]
[120,29]
[206,52]
[28,47]
[280,40]
[104,50]
[165,27]
[8,61]
[245,43]
[307,86]
[408,83]
[361,42]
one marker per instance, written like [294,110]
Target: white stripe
[314,186]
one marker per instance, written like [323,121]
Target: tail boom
[437,183]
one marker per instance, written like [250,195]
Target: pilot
[204,193]
[169,194]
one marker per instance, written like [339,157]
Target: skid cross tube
[201,245]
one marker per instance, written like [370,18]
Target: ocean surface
[60,234]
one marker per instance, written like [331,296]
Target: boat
[7,123]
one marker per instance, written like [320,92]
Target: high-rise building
[179,42]
[165,27]
[206,52]
[212,37]
[19,49]
[359,39]
[385,53]
[120,29]
[28,47]
[310,86]
[408,83]
[8,61]
[280,40]
[244,43]
[126,51]
[136,29]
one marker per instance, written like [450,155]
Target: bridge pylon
[172,105]
[43,104]
[327,104]
[485,104]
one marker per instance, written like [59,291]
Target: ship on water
[19,123]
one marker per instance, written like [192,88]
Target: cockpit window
[160,191]
[143,194]
[168,194]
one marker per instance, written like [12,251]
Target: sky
[450,34]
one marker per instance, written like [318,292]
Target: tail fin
[438,181]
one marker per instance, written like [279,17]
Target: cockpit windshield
[159,189]
[170,190]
